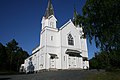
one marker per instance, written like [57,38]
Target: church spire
[75,16]
[49,10]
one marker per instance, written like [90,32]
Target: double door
[72,62]
[52,63]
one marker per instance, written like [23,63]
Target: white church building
[59,48]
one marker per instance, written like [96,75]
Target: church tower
[49,19]
[49,29]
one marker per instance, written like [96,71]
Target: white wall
[69,28]
[53,46]
[58,45]
[84,48]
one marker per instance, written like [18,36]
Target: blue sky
[21,20]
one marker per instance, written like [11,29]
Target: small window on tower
[51,38]
[51,24]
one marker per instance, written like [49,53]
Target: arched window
[70,40]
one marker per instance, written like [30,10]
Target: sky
[21,20]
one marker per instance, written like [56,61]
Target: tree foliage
[3,57]
[102,22]
[105,60]
[11,56]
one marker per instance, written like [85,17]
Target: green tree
[20,57]
[11,50]
[105,60]
[102,23]
[12,56]
[3,57]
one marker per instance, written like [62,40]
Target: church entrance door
[52,62]
[72,62]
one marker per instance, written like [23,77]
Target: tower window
[51,24]
[70,40]
[51,38]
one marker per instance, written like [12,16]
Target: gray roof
[49,10]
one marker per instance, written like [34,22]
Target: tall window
[70,40]
[52,24]
[51,38]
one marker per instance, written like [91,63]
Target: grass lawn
[104,76]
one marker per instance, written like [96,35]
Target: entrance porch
[74,59]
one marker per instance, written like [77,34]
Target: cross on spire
[49,10]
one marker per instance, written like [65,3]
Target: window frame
[51,38]
[70,40]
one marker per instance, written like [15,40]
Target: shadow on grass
[10,73]
[5,78]
[112,75]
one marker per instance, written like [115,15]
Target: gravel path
[51,75]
